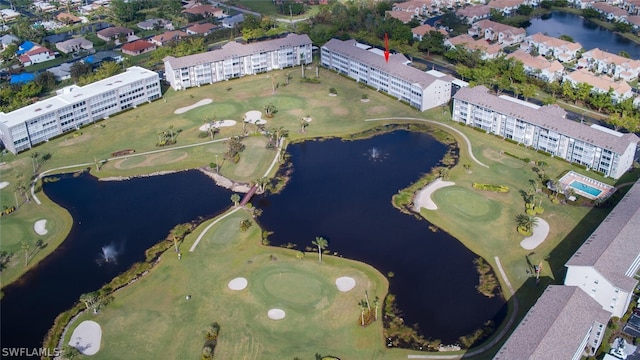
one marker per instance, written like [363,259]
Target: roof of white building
[614,246]
[234,50]
[536,62]
[73,94]
[397,65]
[555,326]
[610,58]
[552,42]
[600,82]
[549,117]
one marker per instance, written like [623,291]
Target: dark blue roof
[22,78]
[24,47]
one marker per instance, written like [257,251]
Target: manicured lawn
[266,7]
[152,319]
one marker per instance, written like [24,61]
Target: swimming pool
[580,186]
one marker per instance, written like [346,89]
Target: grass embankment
[138,129]
[319,318]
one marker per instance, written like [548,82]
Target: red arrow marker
[386,47]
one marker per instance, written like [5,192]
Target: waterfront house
[114,33]
[539,66]
[504,35]
[601,84]
[138,47]
[549,46]
[473,13]
[613,13]
[545,128]
[602,62]
[367,65]
[506,7]
[74,45]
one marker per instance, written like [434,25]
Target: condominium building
[367,65]
[235,60]
[546,128]
[74,106]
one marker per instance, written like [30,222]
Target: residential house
[74,45]
[506,7]
[422,30]
[600,84]
[635,21]
[201,29]
[138,47]
[36,55]
[152,24]
[56,38]
[473,13]
[504,35]
[231,21]
[560,325]
[235,60]
[613,13]
[582,4]
[605,265]
[368,65]
[75,106]
[632,6]
[43,6]
[9,14]
[539,66]
[7,40]
[67,18]
[24,47]
[101,56]
[61,72]
[602,62]
[545,128]
[414,7]
[466,41]
[114,33]
[205,10]
[403,16]
[549,46]
[164,38]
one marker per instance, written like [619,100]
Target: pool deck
[566,181]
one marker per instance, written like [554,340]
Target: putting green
[467,203]
[222,234]
[288,102]
[219,110]
[293,288]
[513,163]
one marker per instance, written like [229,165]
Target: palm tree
[322,244]
[89,298]
[376,303]
[178,233]
[363,307]
[34,161]
[25,247]
[262,182]
[235,198]
[526,222]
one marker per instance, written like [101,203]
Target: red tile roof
[138,45]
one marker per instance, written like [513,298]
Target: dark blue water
[129,215]
[339,192]
[587,33]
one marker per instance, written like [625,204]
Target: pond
[342,190]
[123,217]
[587,33]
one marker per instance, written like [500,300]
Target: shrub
[539,209]
[491,187]
[527,160]
[332,91]
[480,130]
[203,134]
[524,232]
[512,155]
[510,141]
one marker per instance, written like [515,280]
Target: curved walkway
[193,247]
[33,194]
[464,137]
[497,338]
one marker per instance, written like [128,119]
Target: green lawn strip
[169,326]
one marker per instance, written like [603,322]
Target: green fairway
[169,326]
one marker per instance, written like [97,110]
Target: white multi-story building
[545,128]
[75,106]
[235,60]
[367,65]
[549,46]
[602,62]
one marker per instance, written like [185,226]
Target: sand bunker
[238,283]
[345,283]
[218,124]
[540,232]
[4,184]
[40,227]
[86,337]
[202,102]
[423,197]
[254,117]
[276,314]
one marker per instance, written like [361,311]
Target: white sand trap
[4,184]
[345,283]
[238,283]
[86,337]
[540,232]
[276,314]
[40,227]
[202,102]
[423,197]
[252,116]
[218,124]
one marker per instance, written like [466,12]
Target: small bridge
[249,195]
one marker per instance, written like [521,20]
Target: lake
[587,33]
